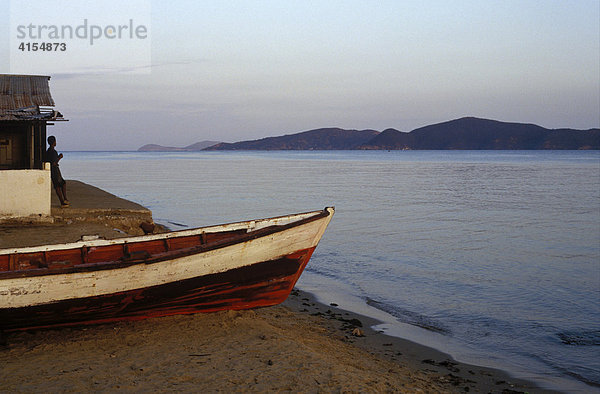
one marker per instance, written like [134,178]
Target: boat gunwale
[169,255]
[231,226]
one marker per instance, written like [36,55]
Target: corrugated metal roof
[23,91]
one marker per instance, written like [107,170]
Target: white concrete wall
[25,193]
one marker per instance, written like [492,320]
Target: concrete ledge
[93,211]
[89,203]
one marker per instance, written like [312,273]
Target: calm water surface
[491,256]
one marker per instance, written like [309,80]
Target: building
[26,109]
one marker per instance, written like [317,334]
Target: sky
[239,70]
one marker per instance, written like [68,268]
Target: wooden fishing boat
[232,266]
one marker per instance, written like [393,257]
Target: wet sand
[300,346]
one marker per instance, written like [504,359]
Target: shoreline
[383,324]
[441,366]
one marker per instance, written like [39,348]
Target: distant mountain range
[465,133]
[190,148]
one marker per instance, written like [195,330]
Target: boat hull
[250,270]
[257,285]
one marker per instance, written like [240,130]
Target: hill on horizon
[468,133]
[471,133]
[319,139]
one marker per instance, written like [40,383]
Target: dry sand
[257,350]
[300,346]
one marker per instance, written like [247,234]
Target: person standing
[60,185]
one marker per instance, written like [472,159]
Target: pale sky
[238,70]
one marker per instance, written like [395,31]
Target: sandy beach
[270,349]
[299,346]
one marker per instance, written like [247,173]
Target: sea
[490,256]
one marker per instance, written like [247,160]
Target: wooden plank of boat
[232,266]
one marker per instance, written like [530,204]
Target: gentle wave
[410,317]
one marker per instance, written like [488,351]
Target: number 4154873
[43,46]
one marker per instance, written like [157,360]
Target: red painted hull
[258,285]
